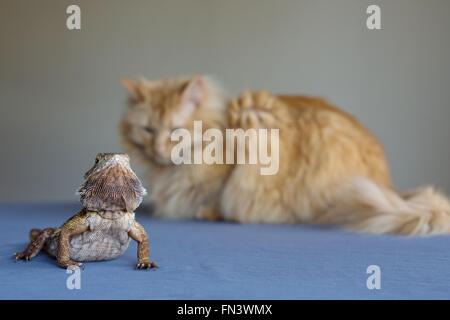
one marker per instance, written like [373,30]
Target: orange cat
[331,169]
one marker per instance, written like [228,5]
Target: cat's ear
[134,89]
[194,92]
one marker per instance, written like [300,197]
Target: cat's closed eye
[149,130]
[176,128]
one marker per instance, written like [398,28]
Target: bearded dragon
[103,228]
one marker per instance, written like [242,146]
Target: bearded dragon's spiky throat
[113,188]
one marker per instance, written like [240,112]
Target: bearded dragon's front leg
[76,225]
[138,234]
[37,243]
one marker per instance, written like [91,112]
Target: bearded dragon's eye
[96,160]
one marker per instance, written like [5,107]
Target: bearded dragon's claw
[146,265]
[21,256]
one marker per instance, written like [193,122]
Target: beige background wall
[60,96]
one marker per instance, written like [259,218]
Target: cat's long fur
[332,169]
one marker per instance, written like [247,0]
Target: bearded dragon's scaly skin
[103,228]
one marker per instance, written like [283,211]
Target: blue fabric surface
[203,260]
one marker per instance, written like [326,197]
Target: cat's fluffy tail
[368,207]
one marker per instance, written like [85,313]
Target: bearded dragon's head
[111,184]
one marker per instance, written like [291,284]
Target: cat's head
[157,108]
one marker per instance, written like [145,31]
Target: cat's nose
[160,149]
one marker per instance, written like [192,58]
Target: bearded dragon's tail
[365,206]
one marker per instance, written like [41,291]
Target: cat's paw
[208,213]
[253,110]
